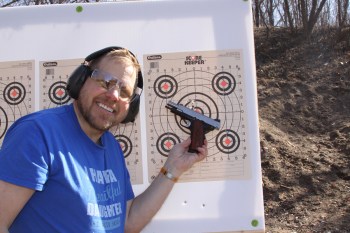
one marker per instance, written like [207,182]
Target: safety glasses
[109,82]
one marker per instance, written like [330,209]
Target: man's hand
[180,160]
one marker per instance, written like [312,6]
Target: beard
[95,121]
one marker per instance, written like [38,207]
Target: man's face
[100,108]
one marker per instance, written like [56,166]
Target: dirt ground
[304,110]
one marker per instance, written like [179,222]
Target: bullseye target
[3,122]
[210,83]
[125,144]
[165,86]
[53,80]
[223,83]
[14,93]
[166,142]
[228,141]
[58,94]
[128,136]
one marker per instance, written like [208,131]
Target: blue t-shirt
[80,186]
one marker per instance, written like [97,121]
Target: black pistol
[198,124]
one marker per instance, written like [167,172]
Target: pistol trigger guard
[185,123]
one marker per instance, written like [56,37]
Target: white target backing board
[17,92]
[211,83]
[222,193]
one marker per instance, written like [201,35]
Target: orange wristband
[168,175]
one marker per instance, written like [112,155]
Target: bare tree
[256,11]
[325,17]
[310,16]
[288,15]
[342,15]
[270,12]
[343,33]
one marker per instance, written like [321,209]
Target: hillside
[304,108]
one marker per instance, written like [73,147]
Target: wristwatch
[168,175]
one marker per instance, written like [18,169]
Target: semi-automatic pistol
[198,124]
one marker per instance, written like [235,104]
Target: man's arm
[141,209]
[12,200]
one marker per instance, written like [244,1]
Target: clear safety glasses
[109,82]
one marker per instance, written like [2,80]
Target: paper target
[16,92]
[53,77]
[129,137]
[211,83]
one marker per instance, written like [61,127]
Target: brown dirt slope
[304,108]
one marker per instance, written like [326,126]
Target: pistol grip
[197,136]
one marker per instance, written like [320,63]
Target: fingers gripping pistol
[198,124]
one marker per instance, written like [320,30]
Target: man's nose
[113,93]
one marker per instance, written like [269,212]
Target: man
[61,170]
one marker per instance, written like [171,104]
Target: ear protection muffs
[82,73]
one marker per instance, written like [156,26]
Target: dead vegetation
[304,108]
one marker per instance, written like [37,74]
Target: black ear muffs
[82,73]
[77,79]
[135,101]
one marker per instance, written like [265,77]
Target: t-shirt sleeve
[23,156]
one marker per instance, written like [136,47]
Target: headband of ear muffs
[83,72]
